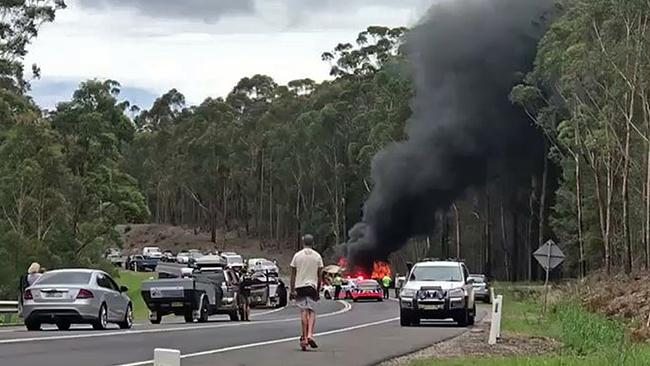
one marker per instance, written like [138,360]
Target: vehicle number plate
[432,306]
[177,304]
[54,294]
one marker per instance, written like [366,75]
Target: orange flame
[343,262]
[380,270]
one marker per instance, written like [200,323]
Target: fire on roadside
[343,262]
[380,270]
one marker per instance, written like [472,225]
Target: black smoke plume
[467,55]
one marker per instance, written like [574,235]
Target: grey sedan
[76,296]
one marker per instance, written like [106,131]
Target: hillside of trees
[273,161]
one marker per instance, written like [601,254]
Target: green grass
[9,319]
[133,280]
[588,339]
[634,357]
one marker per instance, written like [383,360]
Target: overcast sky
[201,47]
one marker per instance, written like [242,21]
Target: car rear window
[477,279]
[64,278]
[234,259]
[368,284]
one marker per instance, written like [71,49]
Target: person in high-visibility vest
[337,282]
[386,281]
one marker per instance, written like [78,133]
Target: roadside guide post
[495,325]
[548,256]
[166,357]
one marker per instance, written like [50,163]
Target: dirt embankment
[176,239]
[623,297]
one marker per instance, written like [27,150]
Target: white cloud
[157,52]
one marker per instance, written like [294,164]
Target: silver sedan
[76,296]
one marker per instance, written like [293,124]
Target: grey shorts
[306,303]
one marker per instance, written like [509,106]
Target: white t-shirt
[307,263]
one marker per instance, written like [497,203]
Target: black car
[140,263]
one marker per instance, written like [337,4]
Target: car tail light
[85,294]
[28,295]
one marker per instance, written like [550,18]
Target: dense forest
[271,161]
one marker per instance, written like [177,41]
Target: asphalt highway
[348,334]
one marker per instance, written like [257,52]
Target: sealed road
[349,334]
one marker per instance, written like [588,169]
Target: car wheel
[205,314]
[327,295]
[380,300]
[102,318]
[156,319]
[234,316]
[415,319]
[127,323]
[463,318]
[282,295]
[189,318]
[405,318]
[472,316]
[63,325]
[32,325]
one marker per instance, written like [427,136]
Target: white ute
[437,290]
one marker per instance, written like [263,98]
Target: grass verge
[589,339]
[133,280]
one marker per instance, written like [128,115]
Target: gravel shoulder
[474,343]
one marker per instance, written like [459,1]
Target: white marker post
[166,357]
[495,325]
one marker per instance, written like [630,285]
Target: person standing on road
[33,273]
[306,268]
[385,282]
[245,285]
[337,282]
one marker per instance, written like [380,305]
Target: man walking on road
[306,268]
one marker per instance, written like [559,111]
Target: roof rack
[442,260]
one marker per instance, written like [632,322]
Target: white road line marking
[345,309]
[268,343]
[268,312]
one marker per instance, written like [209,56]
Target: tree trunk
[260,213]
[270,183]
[531,221]
[608,214]
[504,243]
[444,236]
[488,235]
[457,222]
[298,219]
[581,246]
[514,260]
[626,201]
[542,200]
[646,231]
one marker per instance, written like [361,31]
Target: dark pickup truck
[140,263]
[194,293]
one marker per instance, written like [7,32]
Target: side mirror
[124,289]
